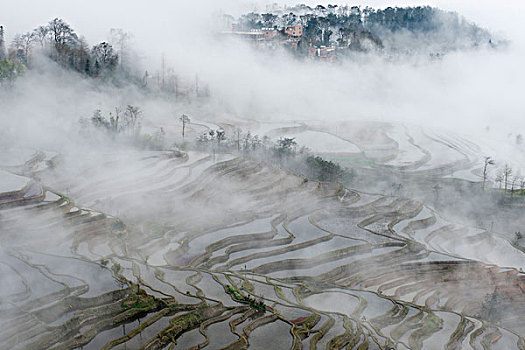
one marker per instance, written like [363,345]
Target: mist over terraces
[303,177]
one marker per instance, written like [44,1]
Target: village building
[270,33]
[323,53]
[294,31]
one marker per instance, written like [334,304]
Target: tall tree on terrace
[133,115]
[238,132]
[185,120]
[114,120]
[515,179]
[488,161]
[506,173]
[285,147]
[220,135]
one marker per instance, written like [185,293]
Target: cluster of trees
[59,41]
[111,60]
[247,143]
[509,181]
[324,170]
[125,120]
[357,28]
[505,177]
[127,123]
[217,140]
[285,151]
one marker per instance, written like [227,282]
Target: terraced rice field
[157,250]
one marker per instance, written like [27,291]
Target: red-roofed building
[294,31]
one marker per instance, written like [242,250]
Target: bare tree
[247,142]
[507,172]
[121,41]
[132,114]
[499,179]
[27,42]
[488,161]
[516,179]
[115,120]
[185,120]
[41,34]
[220,135]
[238,132]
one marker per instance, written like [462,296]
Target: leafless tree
[247,141]
[499,179]
[238,132]
[132,114]
[120,40]
[515,180]
[185,120]
[27,42]
[115,119]
[507,172]
[488,161]
[41,34]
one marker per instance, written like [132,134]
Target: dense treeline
[362,29]
[58,41]
[285,151]
[114,61]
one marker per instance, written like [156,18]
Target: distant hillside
[393,30]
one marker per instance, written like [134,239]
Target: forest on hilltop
[392,30]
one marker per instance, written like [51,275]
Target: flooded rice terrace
[176,250]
